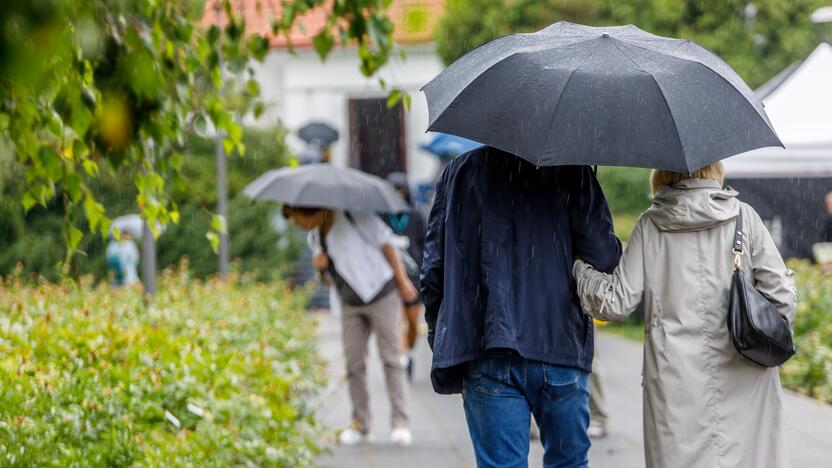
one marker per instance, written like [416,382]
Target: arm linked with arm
[593,237]
[612,297]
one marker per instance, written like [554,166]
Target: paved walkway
[441,437]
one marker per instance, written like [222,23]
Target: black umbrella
[318,132]
[327,186]
[573,94]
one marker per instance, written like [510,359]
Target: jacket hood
[693,205]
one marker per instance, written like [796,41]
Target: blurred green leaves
[96,85]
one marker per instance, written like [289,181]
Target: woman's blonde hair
[661,177]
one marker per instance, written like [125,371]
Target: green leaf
[406,102]
[213,34]
[253,88]
[28,202]
[218,223]
[259,47]
[214,239]
[323,43]
[93,210]
[51,163]
[73,186]
[394,98]
[105,226]
[75,236]
[90,167]
[216,77]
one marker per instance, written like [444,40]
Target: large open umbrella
[327,186]
[573,94]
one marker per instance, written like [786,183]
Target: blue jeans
[501,389]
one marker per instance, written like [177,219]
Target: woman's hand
[320,261]
[407,290]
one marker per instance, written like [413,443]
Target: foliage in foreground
[212,374]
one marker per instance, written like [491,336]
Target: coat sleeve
[593,238]
[613,297]
[432,276]
[771,277]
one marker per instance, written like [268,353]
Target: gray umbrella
[327,186]
[573,94]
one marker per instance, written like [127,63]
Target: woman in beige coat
[704,404]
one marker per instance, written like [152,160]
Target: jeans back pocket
[489,374]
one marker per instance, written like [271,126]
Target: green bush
[211,374]
[810,370]
[34,240]
[627,189]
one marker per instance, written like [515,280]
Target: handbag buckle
[737,259]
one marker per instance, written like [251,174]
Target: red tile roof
[415,20]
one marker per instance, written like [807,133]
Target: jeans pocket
[560,382]
[488,375]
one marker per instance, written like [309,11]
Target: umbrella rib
[666,104]
[566,85]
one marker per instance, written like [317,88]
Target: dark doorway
[377,141]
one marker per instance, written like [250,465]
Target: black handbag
[757,330]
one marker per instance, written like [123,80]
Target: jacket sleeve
[433,261]
[613,297]
[593,238]
[771,277]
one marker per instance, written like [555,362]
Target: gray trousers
[597,405]
[357,322]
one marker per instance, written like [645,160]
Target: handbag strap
[738,244]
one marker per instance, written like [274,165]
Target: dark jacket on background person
[497,271]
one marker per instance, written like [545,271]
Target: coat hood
[693,205]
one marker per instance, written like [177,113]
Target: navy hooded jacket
[497,268]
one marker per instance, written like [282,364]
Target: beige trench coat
[705,406]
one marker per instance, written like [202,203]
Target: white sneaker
[597,430]
[401,436]
[352,436]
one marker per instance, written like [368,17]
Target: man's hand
[320,261]
[407,290]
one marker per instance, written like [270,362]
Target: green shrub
[211,374]
[810,370]
[627,189]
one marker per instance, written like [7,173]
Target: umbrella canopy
[327,186]
[573,94]
[319,132]
[131,224]
[447,147]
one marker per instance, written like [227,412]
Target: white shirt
[355,251]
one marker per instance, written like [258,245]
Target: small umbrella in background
[318,132]
[131,224]
[327,186]
[447,147]
[619,96]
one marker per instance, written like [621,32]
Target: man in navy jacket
[505,325]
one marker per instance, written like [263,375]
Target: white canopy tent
[799,103]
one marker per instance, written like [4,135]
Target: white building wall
[299,88]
